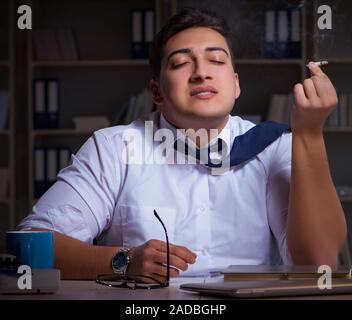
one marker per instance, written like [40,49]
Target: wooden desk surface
[90,290]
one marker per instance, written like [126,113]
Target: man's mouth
[204,92]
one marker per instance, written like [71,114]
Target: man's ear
[237,85]
[155,89]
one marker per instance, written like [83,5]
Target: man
[262,210]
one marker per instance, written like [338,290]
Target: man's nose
[199,73]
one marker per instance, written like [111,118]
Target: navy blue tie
[249,144]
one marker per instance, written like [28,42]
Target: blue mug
[32,248]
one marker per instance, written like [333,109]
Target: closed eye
[217,62]
[176,66]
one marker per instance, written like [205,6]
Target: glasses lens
[140,282]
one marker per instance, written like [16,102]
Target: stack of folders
[143,29]
[278,272]
[47,163]
[282,33]
[46,103]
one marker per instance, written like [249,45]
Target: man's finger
[324,87]
[175,261]
[315,70]
[309,89]
[182,252]
[300,95]
[161,270]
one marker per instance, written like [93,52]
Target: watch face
[120,260]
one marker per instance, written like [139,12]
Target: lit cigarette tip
[319,63]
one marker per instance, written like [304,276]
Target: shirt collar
[226,135]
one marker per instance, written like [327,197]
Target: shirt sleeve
[278,189]
[81,203]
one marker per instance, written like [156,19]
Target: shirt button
[201,208]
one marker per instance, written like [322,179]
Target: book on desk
[278,272]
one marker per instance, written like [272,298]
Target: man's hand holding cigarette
[314,101]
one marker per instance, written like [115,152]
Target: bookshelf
[7,134]
[99,80]
[104,75]
[90,63]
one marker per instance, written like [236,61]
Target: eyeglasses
[130,281]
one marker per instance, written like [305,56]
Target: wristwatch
[120,261]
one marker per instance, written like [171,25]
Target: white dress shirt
[232,217]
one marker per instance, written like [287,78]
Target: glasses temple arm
[167,248]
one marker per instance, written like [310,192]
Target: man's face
[197,86]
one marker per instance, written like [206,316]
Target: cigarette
[320,63]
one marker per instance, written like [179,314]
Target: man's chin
[205,119]
[208,114]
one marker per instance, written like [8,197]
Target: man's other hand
[150,259]
[314,101]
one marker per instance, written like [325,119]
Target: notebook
[278,272]
[268,288]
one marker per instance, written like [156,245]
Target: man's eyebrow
[188,50]
[217,49]
[183,50]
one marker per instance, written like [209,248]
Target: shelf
[4,63]
[61,132]
[269,61]
[339,60]
[131,62]
[91,63]
[338,130]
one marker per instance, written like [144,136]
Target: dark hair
[187,18]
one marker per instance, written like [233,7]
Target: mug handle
[26,252]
